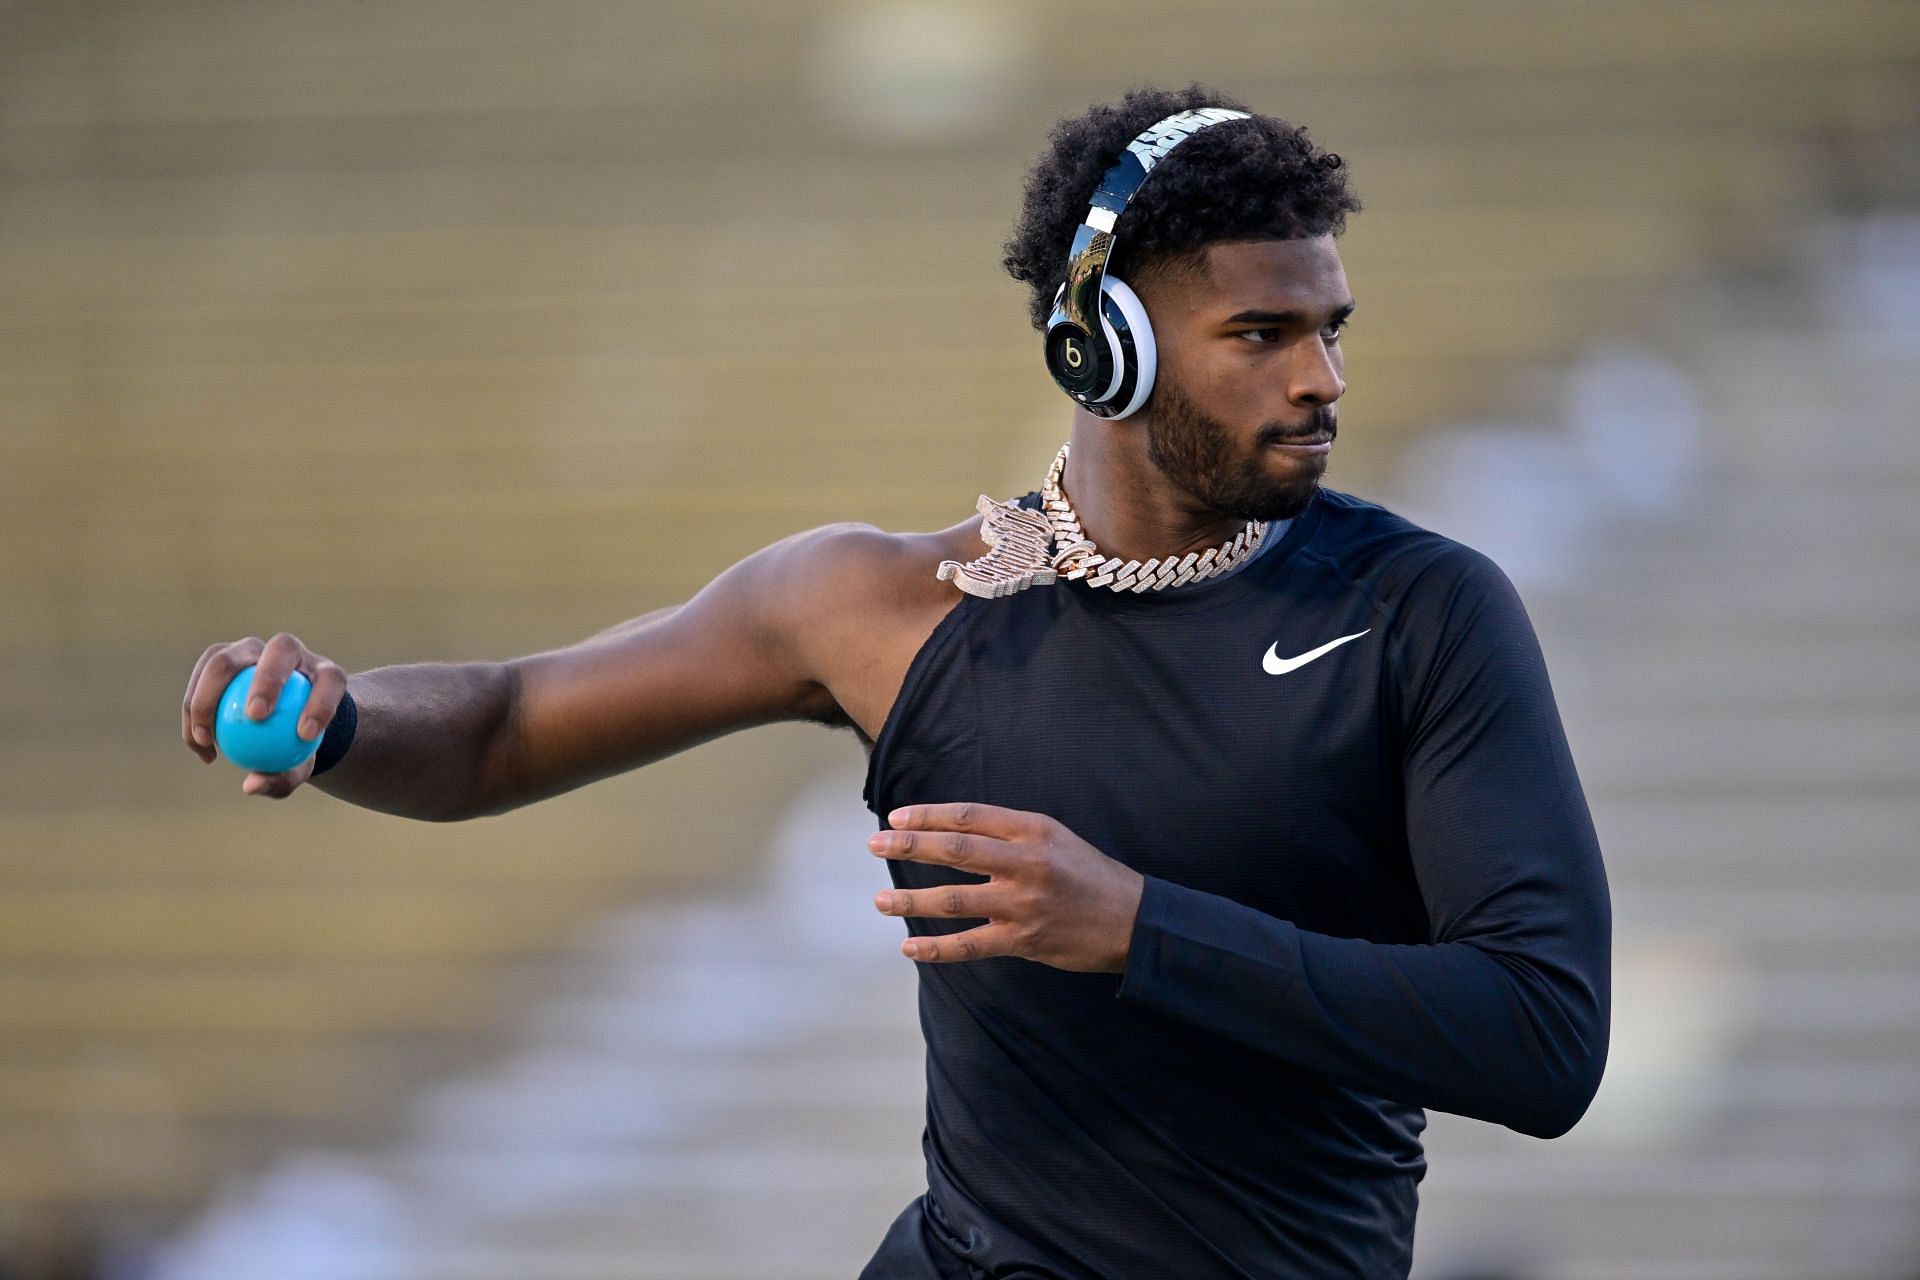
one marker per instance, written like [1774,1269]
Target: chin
[1277,503]
[1264,496]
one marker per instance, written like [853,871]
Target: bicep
[727,659]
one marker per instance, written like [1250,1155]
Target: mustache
[1323,418]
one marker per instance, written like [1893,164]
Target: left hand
[1052,897]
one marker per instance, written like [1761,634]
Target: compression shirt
[1372,886]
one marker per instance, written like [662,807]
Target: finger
[214,677]
[278,660]
[948,901]
[277,786]
[980,819]
[983,855]
[186,704]
[973,944]
[329,686]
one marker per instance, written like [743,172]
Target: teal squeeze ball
[271,745]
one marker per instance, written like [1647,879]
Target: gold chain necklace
[1021,550]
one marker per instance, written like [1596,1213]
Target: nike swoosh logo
[1275,665]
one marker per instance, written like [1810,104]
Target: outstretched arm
[739,653]
[449,741]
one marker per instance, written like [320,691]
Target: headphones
[1109,370]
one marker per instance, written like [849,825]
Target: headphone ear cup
[1080,363]
[1135,354]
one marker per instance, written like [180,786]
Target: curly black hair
[1249,180]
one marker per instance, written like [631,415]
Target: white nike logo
[1276,665]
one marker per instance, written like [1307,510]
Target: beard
[1196,453]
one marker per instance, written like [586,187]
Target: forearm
[1456,1026]
[429,741]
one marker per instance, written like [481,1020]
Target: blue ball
[271,745]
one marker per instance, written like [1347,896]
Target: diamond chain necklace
[1079,558]
[1028,548]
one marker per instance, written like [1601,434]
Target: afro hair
[1257,179]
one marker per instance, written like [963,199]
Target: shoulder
[855,558]
[1443,605]
[854,573]
[1453,619]
[1401,564]
[850,604]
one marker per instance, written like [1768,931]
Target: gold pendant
[1019,556]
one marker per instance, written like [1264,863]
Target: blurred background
[455,331]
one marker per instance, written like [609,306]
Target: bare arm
[737,654]
[445,742]
[424,733]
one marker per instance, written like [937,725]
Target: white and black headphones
[1109,370]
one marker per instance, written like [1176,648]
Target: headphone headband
[1099,345]
[1093,241]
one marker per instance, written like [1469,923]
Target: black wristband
[338,737]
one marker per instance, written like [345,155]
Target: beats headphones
[1099,344]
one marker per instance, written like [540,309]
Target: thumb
[276,785]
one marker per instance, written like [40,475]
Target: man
[1230,816]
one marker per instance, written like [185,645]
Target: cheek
[1225,392]
[1221,376]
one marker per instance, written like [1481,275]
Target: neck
[1126,506]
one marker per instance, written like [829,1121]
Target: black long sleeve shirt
[1372,887]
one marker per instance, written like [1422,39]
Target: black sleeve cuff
[338,737]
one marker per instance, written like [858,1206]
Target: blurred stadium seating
[453,331]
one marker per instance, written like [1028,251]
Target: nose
[1315,377]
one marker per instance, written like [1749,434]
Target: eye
[1253,335]
[1333,331]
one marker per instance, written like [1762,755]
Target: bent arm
[446,742]
[1503,1015]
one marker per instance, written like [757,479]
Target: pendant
[1020,552]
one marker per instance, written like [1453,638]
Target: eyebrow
[1288,318]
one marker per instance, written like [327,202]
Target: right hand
[276,659]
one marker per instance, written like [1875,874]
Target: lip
[1318,442]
